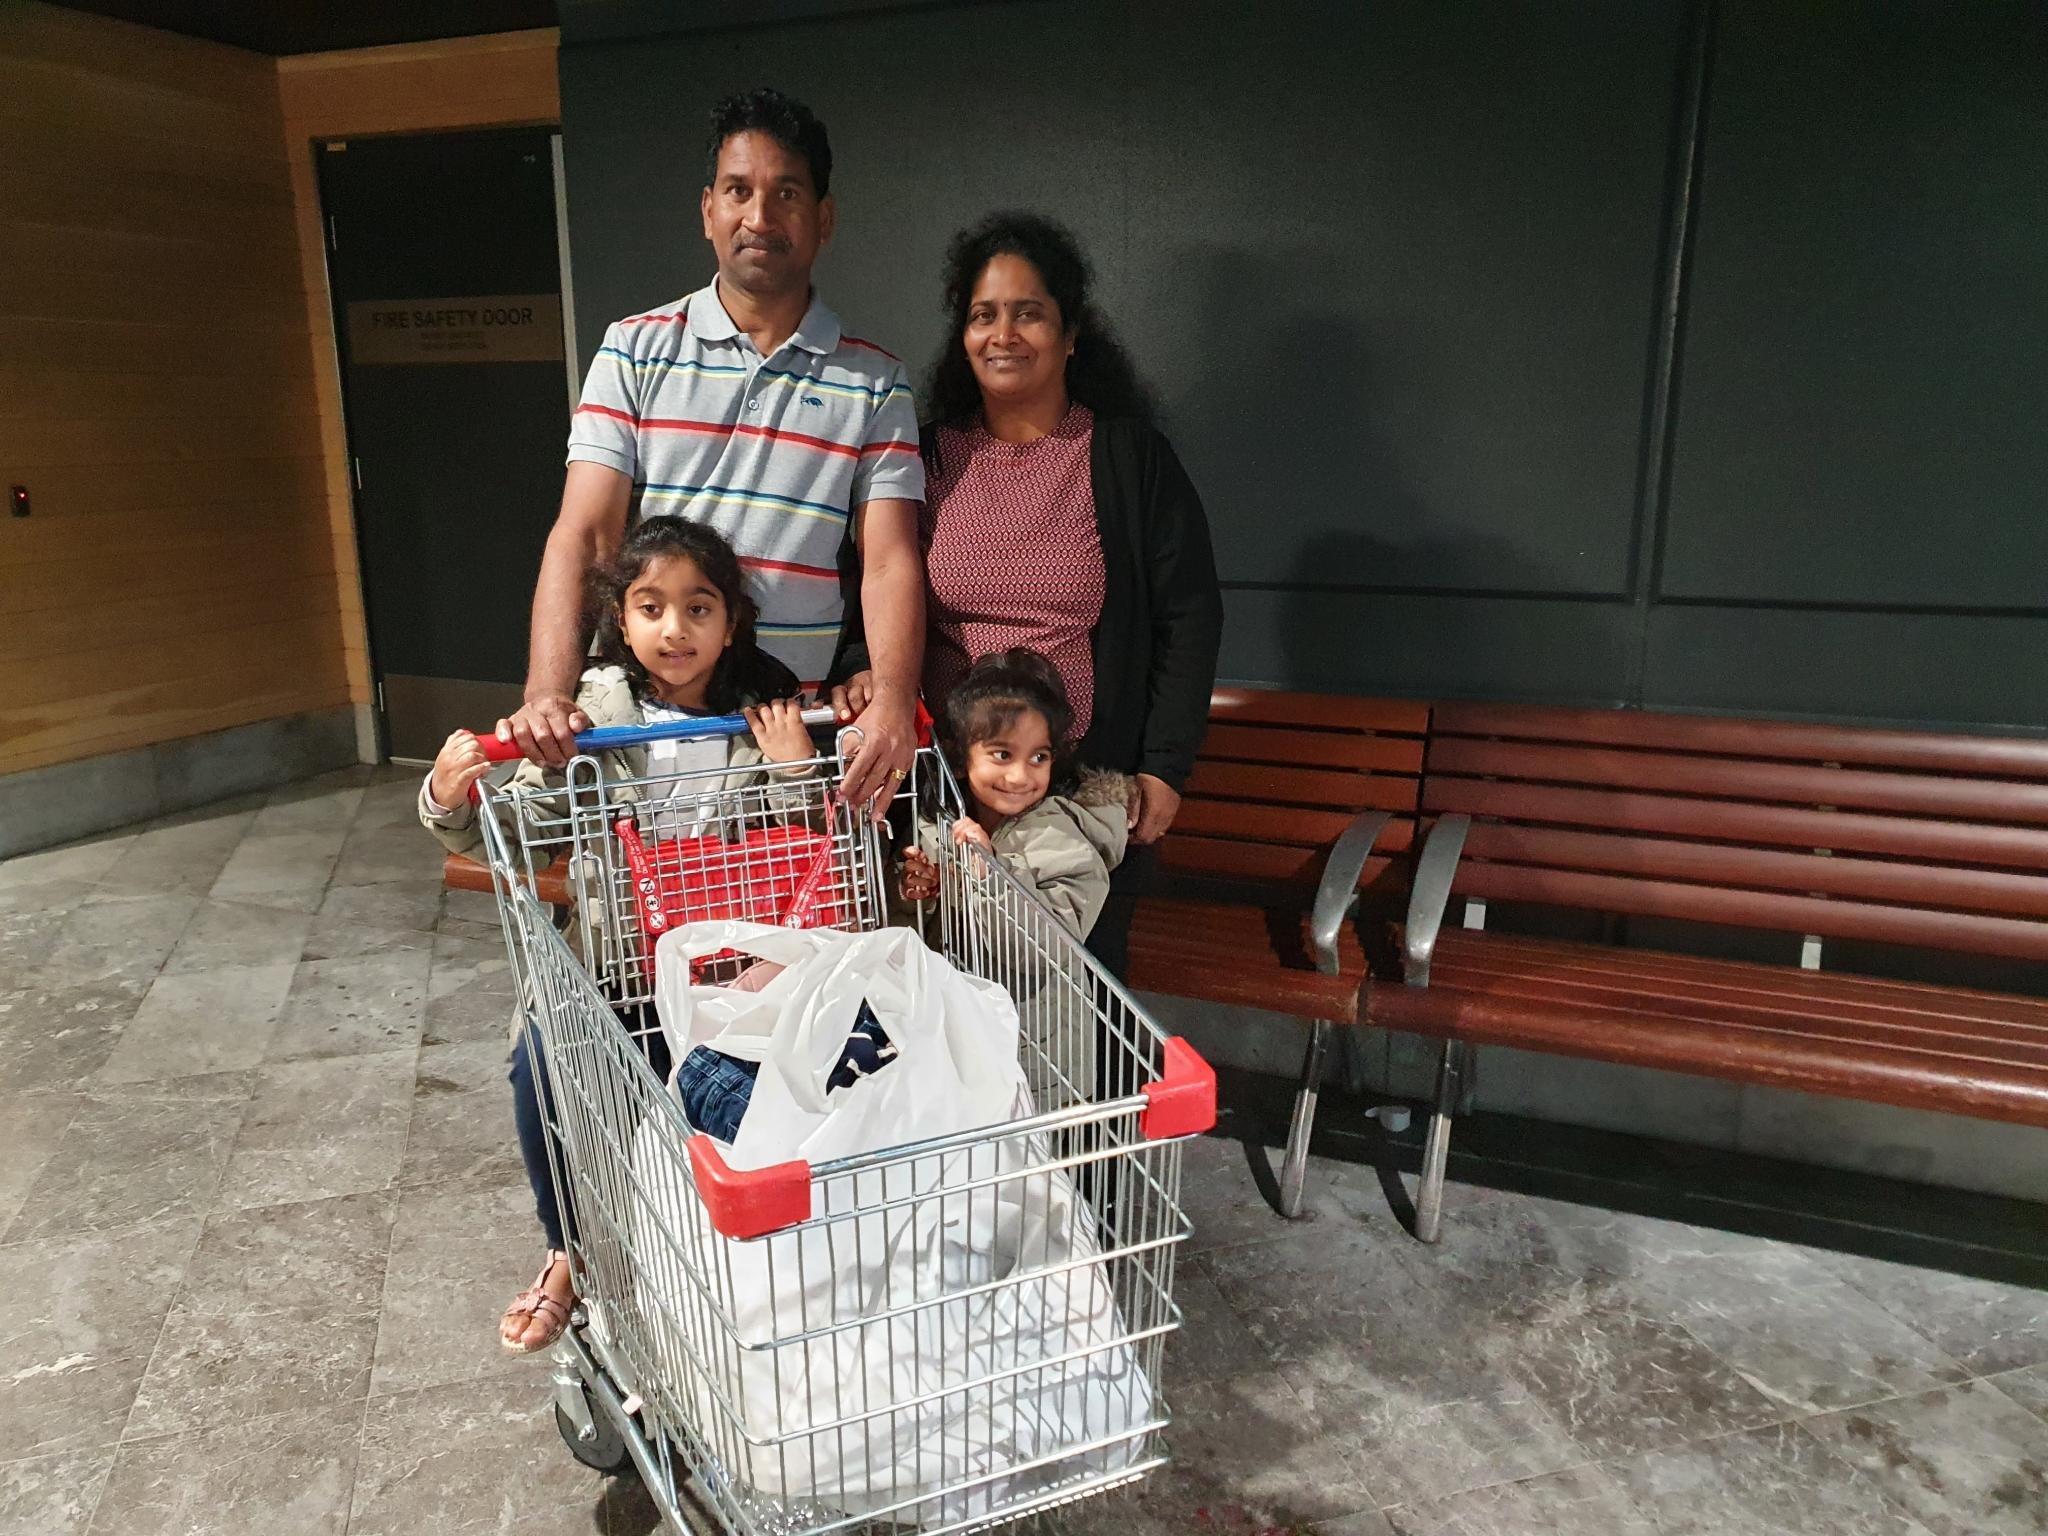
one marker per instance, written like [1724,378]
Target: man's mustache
[775,245]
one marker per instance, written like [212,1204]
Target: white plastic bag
[956,1070]
[955,1035]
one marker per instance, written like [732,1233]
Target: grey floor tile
[470,914]
[236,933]
[393,802]
[462,1128]
[1812,1346]
[470,1459]
[82,1318]
[1367,1522]
[31,925]
[58,1035]
[457,1257]
[291,1473]
[136,1152]
[1987,1326]
[289,870]
[1418,1449]
[1963,1461]
[316,1129]
[1622,1383]
[217,1020]
[185,856]
[1579,1501]
[1225,1207]
[470,1016]
[117,937]
[52,1495]
[1249,1455]
[1774,1479]
[2028,1388]
[395,851]
[463,965]
[353,1007]
[278,1314]
[35,1125]
[329,802]
[86,860]
[371,919]
[1213,1341]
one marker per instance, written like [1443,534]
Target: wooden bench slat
[462,873]
[1315,787]
[1279,706]
[1916,1080]
[1271,863]
[1312,749]
[1288,825]
[1978,755]
[1501,976]
[1765,983]
[1966,890]
[1727,778]
[1251,956]
[1969,934]
[1735,820]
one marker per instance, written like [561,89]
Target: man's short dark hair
[784,119]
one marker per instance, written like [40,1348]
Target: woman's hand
[919,881]
[778,726]
[456,770]
[1152,809]
[967,830]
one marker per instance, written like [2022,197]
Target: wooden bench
[1934,842]
[1300,805]
[459,872]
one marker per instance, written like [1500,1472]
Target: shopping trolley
[670,1245]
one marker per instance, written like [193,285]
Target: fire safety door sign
[496,328]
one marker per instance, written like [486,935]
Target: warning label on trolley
[495,328]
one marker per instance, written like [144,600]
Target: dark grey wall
[1399,273]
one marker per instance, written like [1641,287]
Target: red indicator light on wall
[17,498]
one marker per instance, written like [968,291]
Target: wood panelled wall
[503,80]
[168,383]
[177,573]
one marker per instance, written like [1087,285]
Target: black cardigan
[1162,611]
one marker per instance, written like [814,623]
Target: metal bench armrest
[1337,892]
[1431,896]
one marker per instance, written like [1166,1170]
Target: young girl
[1004,728]
[675,639]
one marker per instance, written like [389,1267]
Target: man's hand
[852,697]
[1152,809]
[545,728]
[881,761]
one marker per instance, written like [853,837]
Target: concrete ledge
[42,806]
[1948,1151]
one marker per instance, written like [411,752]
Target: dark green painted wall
[1398,272]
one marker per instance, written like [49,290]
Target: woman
[1058,518]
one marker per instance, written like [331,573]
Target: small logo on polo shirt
[812,400]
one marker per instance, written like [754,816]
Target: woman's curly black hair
[1099,374]
[744,673]
[990,697]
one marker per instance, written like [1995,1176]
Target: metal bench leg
[1453,1069]
[1294,1172]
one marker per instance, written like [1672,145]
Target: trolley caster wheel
[605,1451]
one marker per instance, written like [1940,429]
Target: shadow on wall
[1314,512]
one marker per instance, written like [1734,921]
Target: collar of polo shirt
[817,332]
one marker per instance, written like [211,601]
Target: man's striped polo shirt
[773,452]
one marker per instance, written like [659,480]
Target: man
[746,407]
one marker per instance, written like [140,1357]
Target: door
[446,275]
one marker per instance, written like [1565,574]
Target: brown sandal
[535,1303]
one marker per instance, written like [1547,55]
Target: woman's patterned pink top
[1014,556]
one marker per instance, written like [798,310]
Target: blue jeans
[533,1107]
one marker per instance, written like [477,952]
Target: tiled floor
[259,1207]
